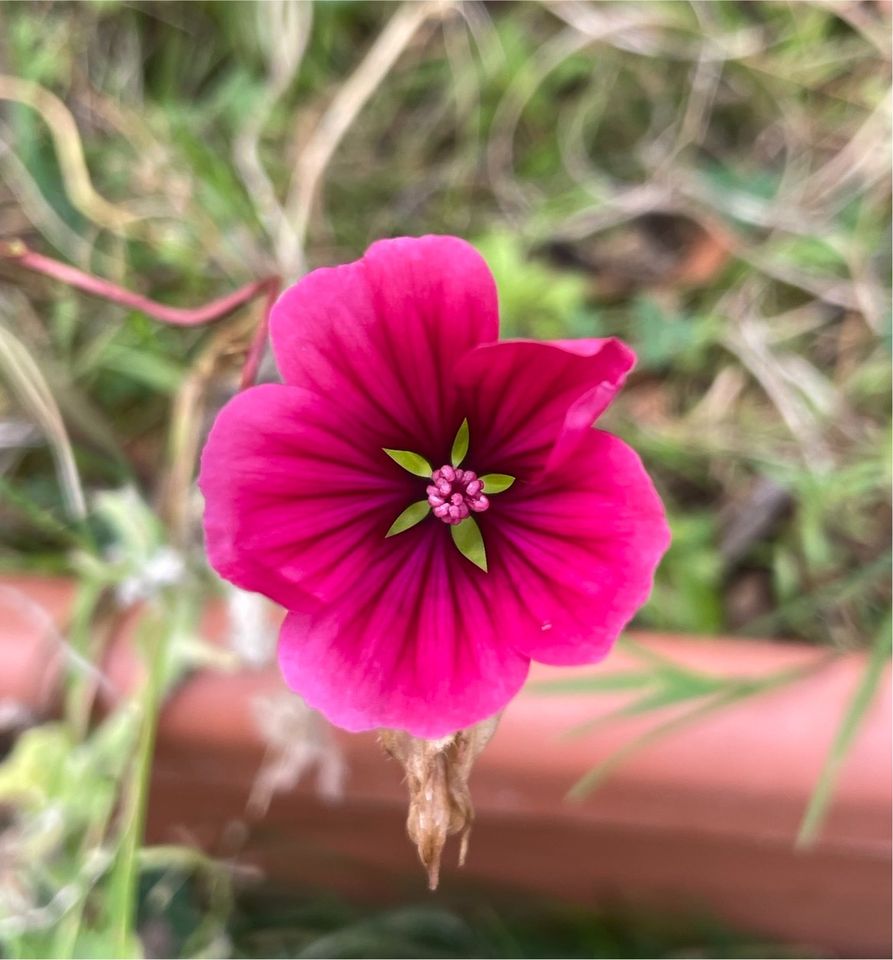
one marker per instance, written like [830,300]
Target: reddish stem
[176,316]
[258,341]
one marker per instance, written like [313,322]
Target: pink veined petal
[380,337]
[392,351]
[529,403]
[572,556]
[417,645]
[295,508]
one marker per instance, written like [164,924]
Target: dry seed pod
[437,773]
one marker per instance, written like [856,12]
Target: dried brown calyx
[437,773]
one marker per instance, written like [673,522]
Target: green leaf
[411,462]
[460,444]
[470,543]
[600,772]
[731,690]
[496,482]
[597,683]
[669,695]
[413,514]
[156,372]
[850,725]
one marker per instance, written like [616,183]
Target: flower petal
[529,402]
[573,556]
[294,502]
[417,645]
[380,337]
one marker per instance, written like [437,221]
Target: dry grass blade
[352,95]
[500,149]
[67,141]
[641,31]
[28,383]
[35,206]
[748,340]
[285,31]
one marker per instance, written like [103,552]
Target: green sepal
[496,482]
[411,462]
[413,514]
[469,542]
[460,444]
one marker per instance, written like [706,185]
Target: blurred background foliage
[707,180]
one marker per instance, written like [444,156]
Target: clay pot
[702,820]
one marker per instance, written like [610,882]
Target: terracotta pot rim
[724,795]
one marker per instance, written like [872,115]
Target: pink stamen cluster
[454,494]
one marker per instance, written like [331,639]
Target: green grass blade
[123,890]
[597,683]
[849,726]
[601,771]
[735,691]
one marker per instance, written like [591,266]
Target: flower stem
[217,309]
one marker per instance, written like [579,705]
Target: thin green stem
[124,886]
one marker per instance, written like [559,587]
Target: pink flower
[356,493]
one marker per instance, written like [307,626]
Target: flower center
[454,494]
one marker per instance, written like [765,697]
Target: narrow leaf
[734,691]
[597,683]
[668,696]
[599,773]
[470,543]
[413,514]
[658,700]
[850,725]
[411,462]
[460,444]
[496,482]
